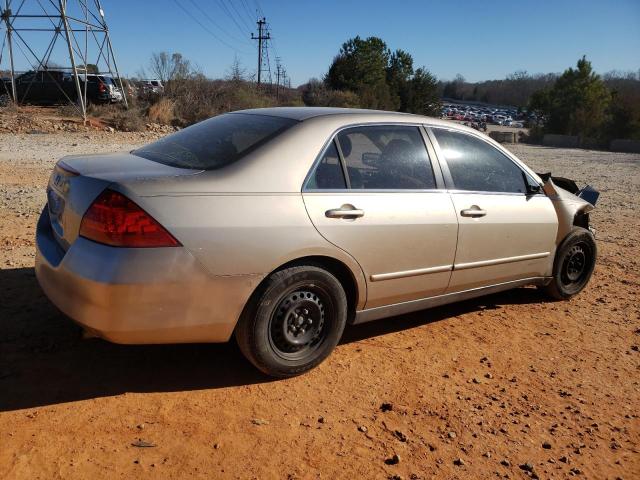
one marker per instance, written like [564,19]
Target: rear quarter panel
[245,234]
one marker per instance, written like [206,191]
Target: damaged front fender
[572,204]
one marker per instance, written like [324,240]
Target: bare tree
[168,67]
[237,73]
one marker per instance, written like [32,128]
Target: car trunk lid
[76,181]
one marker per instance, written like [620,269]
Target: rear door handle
[474,212]
[346,211]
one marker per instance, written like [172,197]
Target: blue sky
[479,39]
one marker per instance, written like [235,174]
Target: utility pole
[279,70]
[261,37]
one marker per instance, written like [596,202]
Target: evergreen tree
[576,104]
[422,94]
[382,79]
[361,67]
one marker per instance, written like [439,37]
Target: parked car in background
[101,89]
[152,86]
[278,226]
[56,87]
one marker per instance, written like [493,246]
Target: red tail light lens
[115,220]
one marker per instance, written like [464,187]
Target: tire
[573,265]
[293,321]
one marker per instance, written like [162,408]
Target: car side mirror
[532,187]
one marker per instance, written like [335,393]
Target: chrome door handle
[344,212]
[473,212]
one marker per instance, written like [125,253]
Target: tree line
[366,73]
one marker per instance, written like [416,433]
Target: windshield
[216,142]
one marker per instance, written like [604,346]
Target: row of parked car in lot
[55,87]
[508,117]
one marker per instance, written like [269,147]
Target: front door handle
[474,212]
[345,211]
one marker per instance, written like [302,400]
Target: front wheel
[573,265]
[293,322]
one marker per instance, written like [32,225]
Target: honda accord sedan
[280,226]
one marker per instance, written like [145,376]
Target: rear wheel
[293,322]
[573,265]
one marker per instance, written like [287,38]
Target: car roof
[306,113]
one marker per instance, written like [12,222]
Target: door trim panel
[499,261]
[410,273]
[377,313]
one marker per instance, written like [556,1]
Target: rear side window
[216,142]
[477,166]
[386,157]
[328,174]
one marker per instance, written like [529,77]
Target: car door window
[386,157]
[328,174]
[477,166]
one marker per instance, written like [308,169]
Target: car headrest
[399,149]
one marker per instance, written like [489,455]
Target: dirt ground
[508,386]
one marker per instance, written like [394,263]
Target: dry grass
[128,120]
[162,111]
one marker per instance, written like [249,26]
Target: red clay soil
[510,385]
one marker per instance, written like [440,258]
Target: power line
[240,16]
[231,16]
[273,45]
[252,16]
[206,29]
[258,8]
[213,22]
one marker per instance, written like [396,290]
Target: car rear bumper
[139,295]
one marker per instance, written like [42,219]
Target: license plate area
[56,206]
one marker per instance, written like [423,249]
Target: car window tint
[328,173]
[477,166]
[386,157]
[216,142]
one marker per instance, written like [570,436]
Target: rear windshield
[216,142]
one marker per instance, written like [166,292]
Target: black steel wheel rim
[575,266]
[300,322]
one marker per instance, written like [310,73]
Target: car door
[53,91]
[28,85]
[506,230]
[374,194]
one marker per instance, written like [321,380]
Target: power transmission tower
[78,32]
[263,37]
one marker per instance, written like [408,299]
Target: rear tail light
[115,220]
